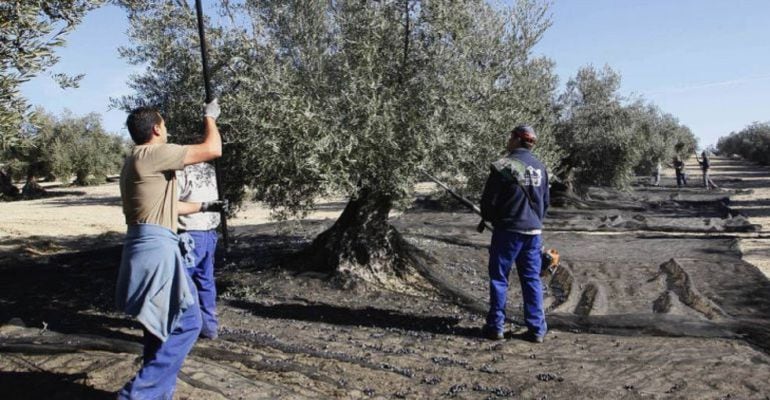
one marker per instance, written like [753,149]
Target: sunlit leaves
[66,146]
[606,140]
[751,143]
[30,32]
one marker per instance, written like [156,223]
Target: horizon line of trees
[752,143]
[69,148]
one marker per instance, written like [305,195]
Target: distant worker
[656,177]
[705,164]
[198,183]
[515,200]
[152,283]
[681,175]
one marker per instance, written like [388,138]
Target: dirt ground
[662,294]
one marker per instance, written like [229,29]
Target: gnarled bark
[32,189]
[7,189]
[363,246]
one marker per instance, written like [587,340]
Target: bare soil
[661,295]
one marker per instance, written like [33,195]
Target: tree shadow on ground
[369,317]
[44,195]
[68,293]
[48,386]
[254,251]
[745,184]
[62,244]
[87,201]
[756,212]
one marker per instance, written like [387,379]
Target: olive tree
[64,147]
[30,32]
[350,97]
[606,139]
[660,137]
[751,143]
[595,132]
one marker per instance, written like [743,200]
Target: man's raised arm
[211,147]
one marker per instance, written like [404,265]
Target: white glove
[212,109]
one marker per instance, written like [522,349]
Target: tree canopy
[606,138]
[345,96]
[30,32]
[751,143]
[65,146]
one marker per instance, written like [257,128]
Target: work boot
[491,333]
[530,336]
[213,335]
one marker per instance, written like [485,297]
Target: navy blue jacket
[704,164]
[505,204]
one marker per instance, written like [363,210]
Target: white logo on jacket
[533,177]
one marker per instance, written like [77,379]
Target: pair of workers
[166,273]
[681,175]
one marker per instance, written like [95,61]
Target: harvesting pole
[209,98]
[473,207]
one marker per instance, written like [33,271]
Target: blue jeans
[202,274]
[681,179]
[156,380]
[505,249]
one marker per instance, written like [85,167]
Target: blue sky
[703,61]
[91,49]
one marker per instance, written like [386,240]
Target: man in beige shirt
[152,283]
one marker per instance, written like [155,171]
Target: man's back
[148,184]
[516,194]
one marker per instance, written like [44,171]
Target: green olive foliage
[751,143]
[660,137]
[66,146]
[605,139]
[30,32]
[348,96]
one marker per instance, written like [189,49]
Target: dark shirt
[679,166]
[504,202]
[704,164]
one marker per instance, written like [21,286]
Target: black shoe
[210,335]
[530,336]
[491,333]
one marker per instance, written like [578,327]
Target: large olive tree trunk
[363,246]
[7,189]
[32,189]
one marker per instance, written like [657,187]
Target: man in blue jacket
[515,200]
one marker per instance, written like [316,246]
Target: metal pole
[459,198]
[209,98]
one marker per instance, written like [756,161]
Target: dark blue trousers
[681,179]
[156,380]
[506,249]
[202,274]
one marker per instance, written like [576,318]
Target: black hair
[140,123]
